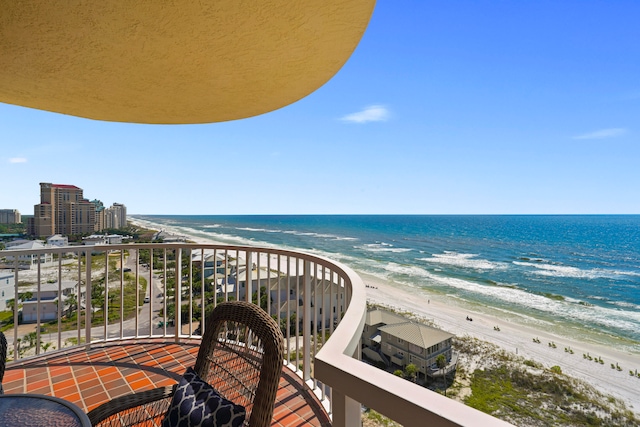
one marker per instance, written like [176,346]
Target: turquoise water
[578,274]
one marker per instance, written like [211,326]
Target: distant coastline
[579,273]
[399,267]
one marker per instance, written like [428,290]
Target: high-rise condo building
[63,210]
[116,216]
[109,218]
[10,216]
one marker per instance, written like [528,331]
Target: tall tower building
[10,216]
[117,216]
[100,215]
[63,210]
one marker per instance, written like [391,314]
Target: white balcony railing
[80,295]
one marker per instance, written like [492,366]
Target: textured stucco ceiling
[173,61]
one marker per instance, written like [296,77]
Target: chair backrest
[3,358]
[241,356]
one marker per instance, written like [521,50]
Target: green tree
[25,295]
[31,338]
[289,323]
[441,361]
[411,372]
[72,302]
[263,298]
[97,295]
[11,305]
[19,228]
[397,373]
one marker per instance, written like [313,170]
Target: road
[155,293]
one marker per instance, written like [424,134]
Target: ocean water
[579,275]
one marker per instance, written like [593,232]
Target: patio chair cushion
[196,403]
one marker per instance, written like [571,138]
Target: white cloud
[373,113]
[18,160]
[602,134]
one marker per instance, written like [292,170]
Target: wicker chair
[241,356]
[3,358]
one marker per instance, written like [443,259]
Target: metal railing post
[177,323]
[79,296]
[60,300]
[15,308]
[306,325]
[38,308]
[87,298]
[137,289]
[248,277]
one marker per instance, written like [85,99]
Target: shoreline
[513,337]
[518,340]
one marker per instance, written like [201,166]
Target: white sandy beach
[518,338]
[512,337]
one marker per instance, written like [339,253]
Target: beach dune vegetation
[528,398]
[525,393]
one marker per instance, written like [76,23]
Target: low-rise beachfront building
[114,239]
[99,239]
[58,240]
[326,300]
[47,298]
[285,291]
[7,288]
[29,261]
[397,341]
[215,264]
[94,239]
[48,308]
[18,242]
[259,278]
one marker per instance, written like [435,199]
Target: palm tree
[14,304]
[72,301]
[25,295]
[11,305]
[97,297]
[31,337]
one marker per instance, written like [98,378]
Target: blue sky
[445,107]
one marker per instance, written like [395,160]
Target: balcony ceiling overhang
[176,61]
